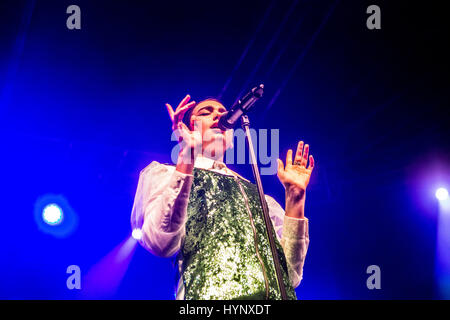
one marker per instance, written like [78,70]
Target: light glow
[441,194]
[52,214]
[137,234]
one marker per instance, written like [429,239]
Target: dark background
[82,112]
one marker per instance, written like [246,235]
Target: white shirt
[160,211]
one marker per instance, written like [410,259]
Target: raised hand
[295,175]
[191,143]
[177,115]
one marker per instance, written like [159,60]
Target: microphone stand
[267,220]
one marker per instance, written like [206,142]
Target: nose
[218,115]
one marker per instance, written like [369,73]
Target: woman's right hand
[177,115]
[190,141]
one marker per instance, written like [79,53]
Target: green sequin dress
[226,253]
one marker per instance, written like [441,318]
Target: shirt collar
[203,162]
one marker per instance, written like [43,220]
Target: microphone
[241,107]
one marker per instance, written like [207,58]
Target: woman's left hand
[295,175]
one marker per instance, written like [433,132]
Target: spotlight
[52,214]
[137,234]
[441,194]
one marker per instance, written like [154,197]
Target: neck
[212,155]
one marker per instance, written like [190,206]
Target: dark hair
[187,116]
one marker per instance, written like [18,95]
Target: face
[205,117]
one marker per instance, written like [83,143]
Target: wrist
[295,203]
[296,210]
[185,162]
[295,195]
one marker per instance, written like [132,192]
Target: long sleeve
[294,238]
[160,208]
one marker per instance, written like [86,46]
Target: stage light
[442,263]
[441,194]
[52,214]
[137,234]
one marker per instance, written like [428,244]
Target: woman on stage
[212,218]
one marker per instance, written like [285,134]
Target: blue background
[82,112]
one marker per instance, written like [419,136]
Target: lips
[215,127]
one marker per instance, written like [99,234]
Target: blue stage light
[441,194]
[52,214]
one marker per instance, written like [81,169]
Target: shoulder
[276,211]
[271,201]
[238,175]
[156,168]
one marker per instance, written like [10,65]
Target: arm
[295,179]
[294,238]
[160,208]
[160,204]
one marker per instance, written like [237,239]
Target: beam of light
[301,56]
[267,49]
[17,51]
[247,48]
[104,278]
[283,49]
[443,247]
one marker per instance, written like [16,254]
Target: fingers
[183,127]
[304,159]
[280,165]
[170,110]
[280,171]
[179,113]
[184,107]
[179,130]
[298,154]
[289,158]
[198,126]
[185,100]
[301,156]
[183,132]
[311,163]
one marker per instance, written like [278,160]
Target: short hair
[187,116]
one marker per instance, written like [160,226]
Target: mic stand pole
[267,220]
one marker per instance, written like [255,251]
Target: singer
[211,217]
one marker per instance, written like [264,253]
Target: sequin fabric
[219,250]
